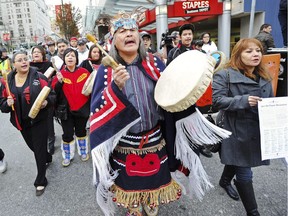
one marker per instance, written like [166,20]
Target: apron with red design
[144,175]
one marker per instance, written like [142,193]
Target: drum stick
[48,73]
[54,65]
[5,77]
[108,60]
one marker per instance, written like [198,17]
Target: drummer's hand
[120,76]
[10,101]
[44,104]
[253,100]
[59,76]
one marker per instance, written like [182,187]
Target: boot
[151,211]
[135,210]
[68,151]
[82,146]
[205,151]
[225,181]
[246,192]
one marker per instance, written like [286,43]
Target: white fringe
[198,181]
[192,131]
[103,175]
[199,130]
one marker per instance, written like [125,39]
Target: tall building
[26,21]
[92,12]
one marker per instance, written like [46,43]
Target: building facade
[266,11]
[27,22]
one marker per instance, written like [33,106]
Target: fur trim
[82,144]
[68,149]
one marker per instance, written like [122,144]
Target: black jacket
[176,51]
[36,81]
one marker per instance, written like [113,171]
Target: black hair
[199,42]
[265,25]
[186,27]
[100,53]
[18,53]
[202,35]
[69,50]
[62,40]
[42,50]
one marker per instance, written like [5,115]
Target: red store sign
[6,36]
[187,8]
[196,7]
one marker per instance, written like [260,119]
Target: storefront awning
[179,12]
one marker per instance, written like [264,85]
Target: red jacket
[71,86]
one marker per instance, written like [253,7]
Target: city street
[70,191]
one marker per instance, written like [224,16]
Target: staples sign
[195,6]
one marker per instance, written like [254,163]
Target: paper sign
[273,120]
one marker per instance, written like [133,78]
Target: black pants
[50,123]
[1,154]
[35,137]
[73,124]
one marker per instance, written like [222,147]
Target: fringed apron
[144,175]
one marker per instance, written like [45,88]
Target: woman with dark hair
[40,62]
[39,59]
[95,57]
[68,84]
[208,45]
[25,84]
[236,92]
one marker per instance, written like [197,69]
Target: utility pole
[161,20]
[252,14]
[224,29]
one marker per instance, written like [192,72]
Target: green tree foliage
[68,20]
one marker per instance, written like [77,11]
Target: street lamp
[227,6]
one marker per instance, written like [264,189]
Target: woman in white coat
[208,45]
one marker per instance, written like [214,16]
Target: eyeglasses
[36,51]
[21,60]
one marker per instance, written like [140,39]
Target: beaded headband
[127,20]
